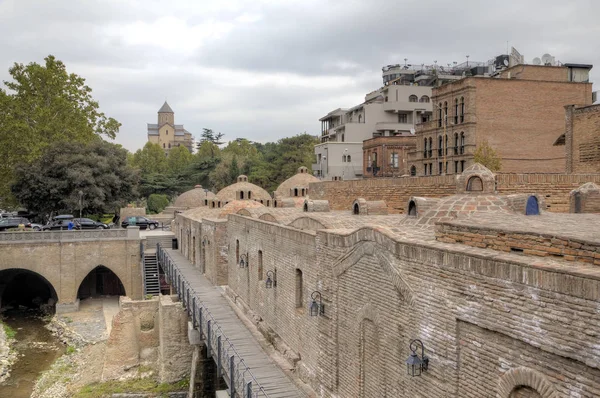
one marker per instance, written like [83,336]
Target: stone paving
[93,321]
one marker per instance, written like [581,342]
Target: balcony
[383,126]
[406,106]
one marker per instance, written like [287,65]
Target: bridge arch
[20,286]
[101,280]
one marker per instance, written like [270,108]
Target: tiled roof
[165,108]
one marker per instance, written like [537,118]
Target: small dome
[240,190]
[194,198]
[296,185]
[237,205]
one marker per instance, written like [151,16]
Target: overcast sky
[267,69]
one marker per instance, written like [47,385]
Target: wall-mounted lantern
[271,281]
[244,261]
[205,241]
[316,307]
[416,365]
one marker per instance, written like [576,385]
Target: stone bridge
[70,265]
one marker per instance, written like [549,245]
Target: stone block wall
[396,192]
[214,260]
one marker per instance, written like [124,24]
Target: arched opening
[424,99]
[413,98]
[249,194]
[260,265]
[241,195]
[356,209]
[299,288]
[269,203]
[26,288]
[101,281]
[532,208]
[412,209]
[475,184]
[237,251]
[524,392]
[413,171]
[305,208]
[295,191]
[194,250]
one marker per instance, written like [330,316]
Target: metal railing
[230,364]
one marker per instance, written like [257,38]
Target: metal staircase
[151,278]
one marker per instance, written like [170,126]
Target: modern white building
[389,111]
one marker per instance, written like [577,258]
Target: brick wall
[537,72]
[554,188]
[585,143]
[482,319]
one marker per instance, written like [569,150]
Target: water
[37,349]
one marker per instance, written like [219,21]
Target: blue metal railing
[230,364]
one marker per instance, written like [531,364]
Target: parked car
[13,222]
[60,223]
[142,222]
[36,227]
[86,223]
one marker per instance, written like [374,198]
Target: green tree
[98,170]
[151,159]
[207,149]
[157,202]
[41,105]
[179,158]
[210,137]
[487,156]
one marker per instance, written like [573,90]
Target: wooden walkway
[244,365]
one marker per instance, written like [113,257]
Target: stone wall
[214,261]
[65,258]
[396,192]
[487,322]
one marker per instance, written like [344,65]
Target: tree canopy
[53,182]
[41,105]
[487,156]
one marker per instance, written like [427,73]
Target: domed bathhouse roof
[242,190]
[235,206]
[194,198]
[296,185]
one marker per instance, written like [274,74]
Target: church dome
[237,205]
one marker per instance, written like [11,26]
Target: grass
[10,332]
[106,389]
[70,350]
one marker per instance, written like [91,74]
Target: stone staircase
[151,277]
[164,240]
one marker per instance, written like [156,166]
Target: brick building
[582,139]
[504,301]
[519,112]
[387,156]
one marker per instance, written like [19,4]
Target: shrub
[157,203]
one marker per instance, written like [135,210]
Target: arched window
[343,158]
[295,191]
[446,111]
[360,118]
[299,288]
[269,203]
[356,209]
[424,147]
[249,194]
[475,184]
[167,131]
[430,152]
[412,209]
[343,138]
[169,145]
[446,143]
[462,109]
[241,195]
[260,265]
[440,146]
[164,146]
[532,208]
[413,98]
[440,115]
[237,251]
[456,111]
[305,208]
[424,99]
[348,159]
[413,171]
[456,143]
[462,143]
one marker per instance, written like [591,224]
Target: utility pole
[80,205]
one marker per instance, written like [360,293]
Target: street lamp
[243,261]
[80,205]
[271,280]
[316,308]
[416,365]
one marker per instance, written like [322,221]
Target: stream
[37,349]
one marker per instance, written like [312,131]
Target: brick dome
[299,182]
[232,192]
[193,198]
[237,205]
